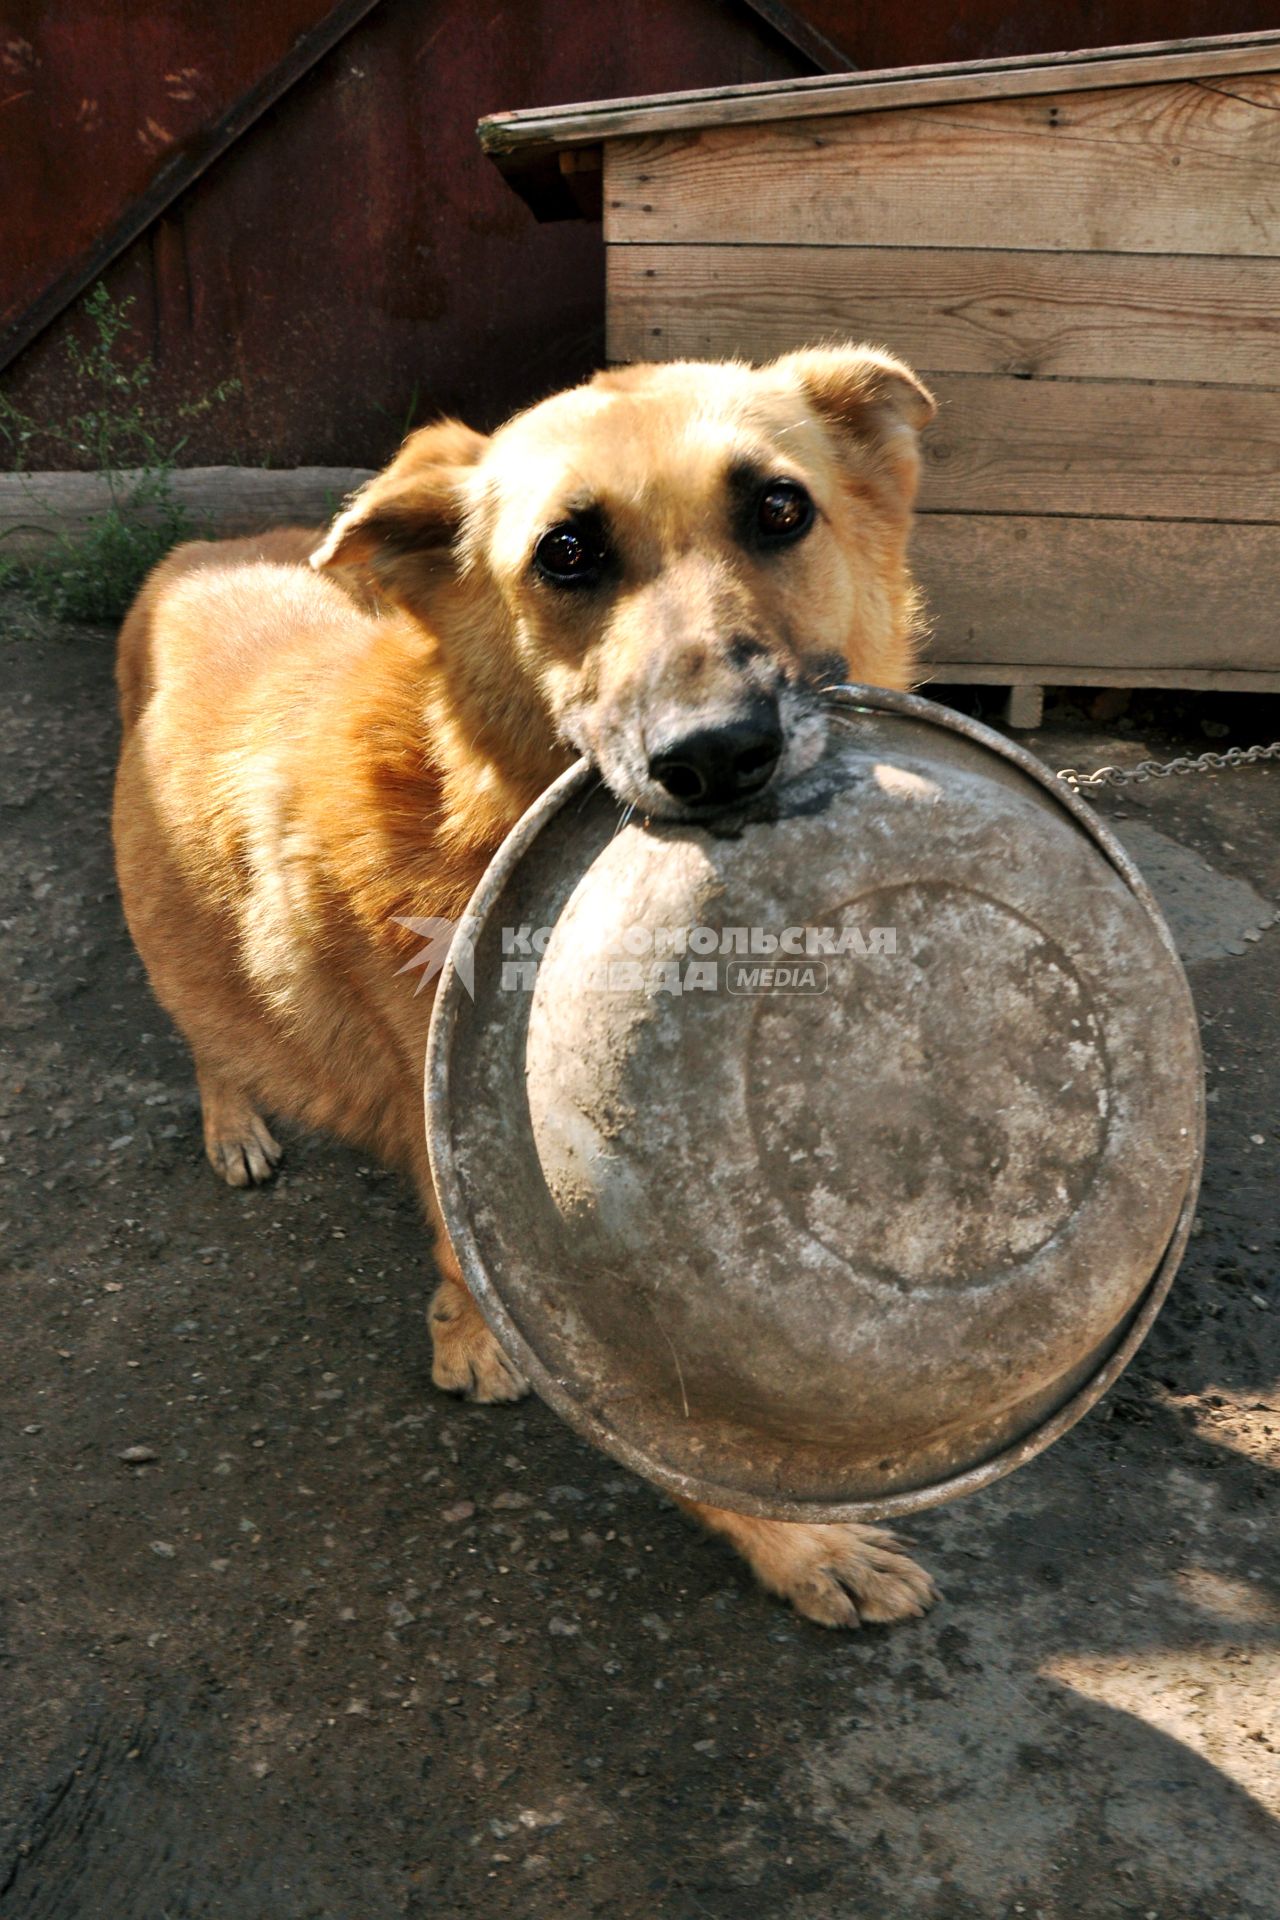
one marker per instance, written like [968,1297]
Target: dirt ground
[331,1647]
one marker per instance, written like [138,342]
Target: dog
[329,733]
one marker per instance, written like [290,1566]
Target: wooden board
[519,140]
[981,673]
[1184,168]
[1117,602]
[35,508]
[1102,448]
[1107,316]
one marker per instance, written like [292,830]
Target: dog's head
[662,569]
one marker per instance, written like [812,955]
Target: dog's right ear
[402,525]
[875,405]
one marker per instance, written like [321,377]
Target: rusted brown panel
[98,112]
[827,55]
[355,260]
[874,35]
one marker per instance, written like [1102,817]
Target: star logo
[440,938]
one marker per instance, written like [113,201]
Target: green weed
[92,572]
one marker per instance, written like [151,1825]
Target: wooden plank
[969,673]
[35,508]
[1110,602]
[1025,705]
[1111,448]
[517,139]
[1107,316]
[1170,169]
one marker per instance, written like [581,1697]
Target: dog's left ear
[403,523]
[873,399]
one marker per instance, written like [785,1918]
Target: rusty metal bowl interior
[824,1248]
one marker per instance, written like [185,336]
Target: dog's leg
[236,1137]
[839,1575]
[465,1357]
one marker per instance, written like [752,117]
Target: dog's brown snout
[718,764]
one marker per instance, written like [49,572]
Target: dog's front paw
[848,1576]
[841,1575]
[237,1140]
[466,1358]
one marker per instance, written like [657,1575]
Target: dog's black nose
[717,765]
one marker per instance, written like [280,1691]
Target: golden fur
[314,753]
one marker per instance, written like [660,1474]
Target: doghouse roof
[551,155]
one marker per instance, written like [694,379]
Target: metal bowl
[883,1198]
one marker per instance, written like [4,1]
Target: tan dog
[659,569]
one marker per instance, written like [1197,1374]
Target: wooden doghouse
[1081,252]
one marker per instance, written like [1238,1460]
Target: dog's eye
[571,555]
[784,511]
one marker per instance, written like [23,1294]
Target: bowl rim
[452,999]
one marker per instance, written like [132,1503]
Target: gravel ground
[284,1635]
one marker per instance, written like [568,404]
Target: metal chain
[1161,770]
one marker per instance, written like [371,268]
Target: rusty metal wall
[96,117]
[875,35]
[353,260]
